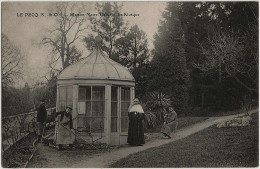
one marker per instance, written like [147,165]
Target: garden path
[48,157]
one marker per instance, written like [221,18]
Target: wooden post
[108,113]
[75,105]
[119,113]
[57,99]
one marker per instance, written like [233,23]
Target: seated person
[170,123]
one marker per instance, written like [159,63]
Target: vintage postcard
[134,84]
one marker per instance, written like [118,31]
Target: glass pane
[124,108]
[98,93]
[88,108]
[62,92]
[80,122]
[124,124]
[97,125]
[114,124]
[84,122]
[85,93]
[69,96]
[125,93]
[114,93]
[88,92]
[82,107]
[62,105]
[98,108]
[122,94]
[113,108]
[82,93]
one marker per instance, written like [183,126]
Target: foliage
[142,79]
[226,55]
[150,119]
[155,106]
[127,46]
[18,155]
[47,92]
[12,61]
[16,101]
[157,101]
[134,54]
[110,27]
[133,48]
[232,43]
[169,73]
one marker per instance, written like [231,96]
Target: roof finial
[98,41]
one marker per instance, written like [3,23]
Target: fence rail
[14,128]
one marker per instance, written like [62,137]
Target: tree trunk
[62,53]
[66,62]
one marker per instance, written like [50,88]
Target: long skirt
[169,128]
[64,135]
[136,129]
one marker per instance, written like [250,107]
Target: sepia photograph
[130,84]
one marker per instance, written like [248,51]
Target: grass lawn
[212,147]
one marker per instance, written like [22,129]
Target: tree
[62,37]
[135,55]
[237,28]
[67,30]
[110,26]
[12,61]
[16,101]
[170,74]
[48,92]
[226,55]
[133,48]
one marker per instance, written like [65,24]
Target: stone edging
[35,148]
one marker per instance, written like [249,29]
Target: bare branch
[11,61]
[67,31]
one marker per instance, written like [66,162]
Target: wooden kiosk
[100,91]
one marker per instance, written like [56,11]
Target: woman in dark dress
[136,127]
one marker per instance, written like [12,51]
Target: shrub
[155,106]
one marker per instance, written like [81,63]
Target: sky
[26,32]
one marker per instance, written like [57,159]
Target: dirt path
[49,157]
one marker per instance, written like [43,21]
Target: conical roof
[96,66]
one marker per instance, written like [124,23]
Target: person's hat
[69,107]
